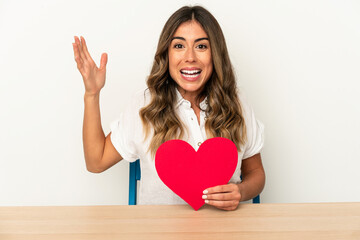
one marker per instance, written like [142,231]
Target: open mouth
[190,73]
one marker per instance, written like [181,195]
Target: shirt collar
[180,100]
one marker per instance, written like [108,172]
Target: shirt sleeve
[125,131]
[254,131]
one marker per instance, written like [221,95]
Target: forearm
[252,185]
[93,134]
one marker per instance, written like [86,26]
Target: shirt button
[192,119]
[199,143]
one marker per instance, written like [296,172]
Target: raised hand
[94,77]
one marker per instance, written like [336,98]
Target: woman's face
[190,62]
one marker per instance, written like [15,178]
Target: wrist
[91,96]
[241,191]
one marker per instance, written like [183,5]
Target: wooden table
[250,221]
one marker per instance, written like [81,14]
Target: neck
[191,97]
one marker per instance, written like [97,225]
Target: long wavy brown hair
[223,113]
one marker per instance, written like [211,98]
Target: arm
[253,176]
[99,152]
[228,197]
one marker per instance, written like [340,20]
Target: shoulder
[253,125]
[254,128]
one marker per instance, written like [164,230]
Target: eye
[178,45]
[202,46]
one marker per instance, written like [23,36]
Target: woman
[192,96]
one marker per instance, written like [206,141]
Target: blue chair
[135,175]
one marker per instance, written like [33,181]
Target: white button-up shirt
[128,139]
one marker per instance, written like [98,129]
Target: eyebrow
[196,40]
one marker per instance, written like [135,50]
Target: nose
[190,55]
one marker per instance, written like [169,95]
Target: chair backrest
[135,175]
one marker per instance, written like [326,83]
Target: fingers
[78,60]
[85,50]
[103,61]
[230,208]
[225,205]
[80,49]
[226,197]
[222,189]
[223,196]
[225,201]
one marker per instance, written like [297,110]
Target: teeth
[190,71]
[191,76]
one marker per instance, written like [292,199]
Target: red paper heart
[188,173]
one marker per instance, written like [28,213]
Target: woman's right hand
[94,77]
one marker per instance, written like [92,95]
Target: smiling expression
[190,61]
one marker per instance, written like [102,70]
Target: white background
[298,62]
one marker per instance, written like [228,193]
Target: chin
[190,87]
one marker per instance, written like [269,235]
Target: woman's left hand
[225,197]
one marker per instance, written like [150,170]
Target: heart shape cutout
[188,173]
